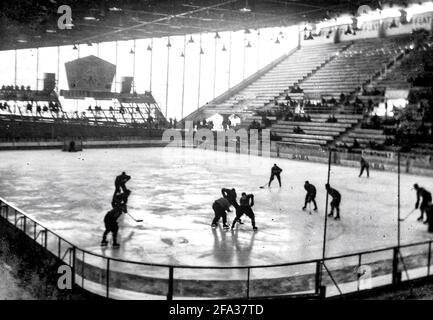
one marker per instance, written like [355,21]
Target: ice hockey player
[426,200]
[110,220]
[275,172]
[120,181]
[246,203]
[231,196]
[310,196]
[121,199]
[335,203]
[364,166]
[220,208]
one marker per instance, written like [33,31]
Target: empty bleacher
[354,67]
[276,81]
[317,132]
[364,137]
[408,68]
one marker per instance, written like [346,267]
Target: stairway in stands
[275,82]
[355,67]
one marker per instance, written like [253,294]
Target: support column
[15,66]
[166,80]
[37,68]
[183,75]
[115,72]
[151,64]
[133,67]
[230,59]
[199,74]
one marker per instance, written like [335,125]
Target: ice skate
[255,229]
[104,243]
[116,245]
[213,225]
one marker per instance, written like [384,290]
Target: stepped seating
[275,82]
[354,67]
[363,136]
[318,132]
[410,67]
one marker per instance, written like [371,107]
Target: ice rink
[173,191]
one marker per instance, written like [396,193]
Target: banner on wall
[90,74]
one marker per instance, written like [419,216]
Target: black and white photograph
[229,152]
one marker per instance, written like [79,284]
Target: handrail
[224,267]
[73,255]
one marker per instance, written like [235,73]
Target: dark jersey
[364,163]
[311,189]
[245,202]
[421,192]
[230,195]
[276,170]
[223,203]
[121,179]
[334,193]
[112,215]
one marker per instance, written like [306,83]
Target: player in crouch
[220,208]
[246,202]
[336,200]
[275,172]
[231,196]
[110,219]
[311,195]
[426,200]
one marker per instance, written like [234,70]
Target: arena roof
[33,23]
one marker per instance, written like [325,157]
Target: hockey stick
[309,207]
[402,219]
[136,220]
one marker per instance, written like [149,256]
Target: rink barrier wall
[334,276]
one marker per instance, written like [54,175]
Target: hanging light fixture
[277,41]
[191,40]
[247,31]
[149,48]
[246,8]
[217,36]
[75,47]
[201,51]
[168,44]
[224,48]
[131,51]
[248,45]
[182,55]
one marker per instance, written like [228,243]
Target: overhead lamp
[217,36]
[248,45]
[89,44]
[149,48]
[246,8]
[201,51]
[168,44]
[224,48]
[277,41]
[131,51]
[75,47]
[247,31]
[182,55]
[191,40]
